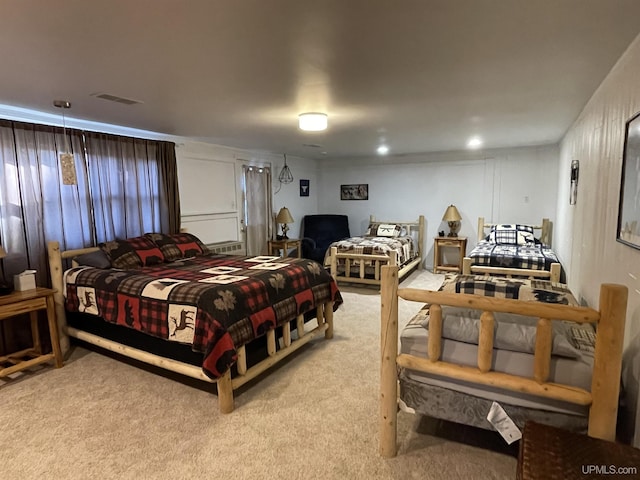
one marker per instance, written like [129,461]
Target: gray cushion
[97,259]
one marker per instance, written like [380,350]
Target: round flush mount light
[382,150]
[312,121]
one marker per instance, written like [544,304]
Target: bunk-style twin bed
[514,250]
[359,259]
[523,343]
[165,300]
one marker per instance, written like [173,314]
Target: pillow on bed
[97,259]
[508,234]
[178,245]
[132,253]
[383,230]
[512,332]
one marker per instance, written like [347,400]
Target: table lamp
[284,217]
[5,288]
[452,217]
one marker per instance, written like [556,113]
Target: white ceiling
[422,75]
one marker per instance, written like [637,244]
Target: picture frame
[356,191]
[629,206]
[304,188]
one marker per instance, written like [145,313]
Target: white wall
[510,185]
[586,231]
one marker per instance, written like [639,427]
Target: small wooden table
[284,245]
[30,301]
[439,243]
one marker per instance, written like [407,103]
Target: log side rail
[602,399]
[553,274]
[225,384]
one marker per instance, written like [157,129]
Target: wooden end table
[30,301]
[284,245]
[439,244]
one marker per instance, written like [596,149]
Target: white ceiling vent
[114,98]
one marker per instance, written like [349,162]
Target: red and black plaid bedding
[530,256]
[215,302]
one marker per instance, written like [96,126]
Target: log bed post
[607,365]
[388,355]
[57,283]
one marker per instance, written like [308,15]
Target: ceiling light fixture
[382,150]
[474,142]
[312,121]
[67,164]
[285,174]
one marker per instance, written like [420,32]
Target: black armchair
[319,231]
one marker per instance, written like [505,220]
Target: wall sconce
[313,121]
[452,216]
[284,217]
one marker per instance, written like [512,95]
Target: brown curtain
[170,196]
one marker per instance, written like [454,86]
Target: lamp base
[454,228]
[5,288]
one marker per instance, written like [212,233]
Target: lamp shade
[3,252]
[451,214]
[284,216]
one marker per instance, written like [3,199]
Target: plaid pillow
[178,245]
[508,234]
[383,230]
[132,253]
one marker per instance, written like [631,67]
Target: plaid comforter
[531,256]
[215,302]
[403,247]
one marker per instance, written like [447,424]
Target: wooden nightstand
[440,243]
[30,301]
[284,245]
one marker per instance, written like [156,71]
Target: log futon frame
[602,400]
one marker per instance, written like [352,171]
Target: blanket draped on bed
[217,303]
[531,256]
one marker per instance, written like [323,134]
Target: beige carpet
[315,416]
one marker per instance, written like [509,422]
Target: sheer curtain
[122,190]
[257,208]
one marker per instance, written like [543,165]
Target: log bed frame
[602,399]
[552,274]
[377,260]
[225,385]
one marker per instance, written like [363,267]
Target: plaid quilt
[531,256]
[403,247]
[215,302]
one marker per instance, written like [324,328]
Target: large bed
[215,307]
[359,259]
[513,250]
[460,379]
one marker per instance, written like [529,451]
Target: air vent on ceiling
[311,145]
[114,98]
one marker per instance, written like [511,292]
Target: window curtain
[258,211]
[124,189]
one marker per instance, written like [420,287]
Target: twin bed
[523,343]
[360,259]
[513,250]
[200,314]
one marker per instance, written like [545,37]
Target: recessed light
[383,150]
[312,121]
[474,142]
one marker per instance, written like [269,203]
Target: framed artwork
[629,208]
[304,188]
[358,191]
[573,191]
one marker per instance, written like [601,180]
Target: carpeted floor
[315,416]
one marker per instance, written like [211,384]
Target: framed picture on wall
[304,188]
[629,208]
[358,191]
